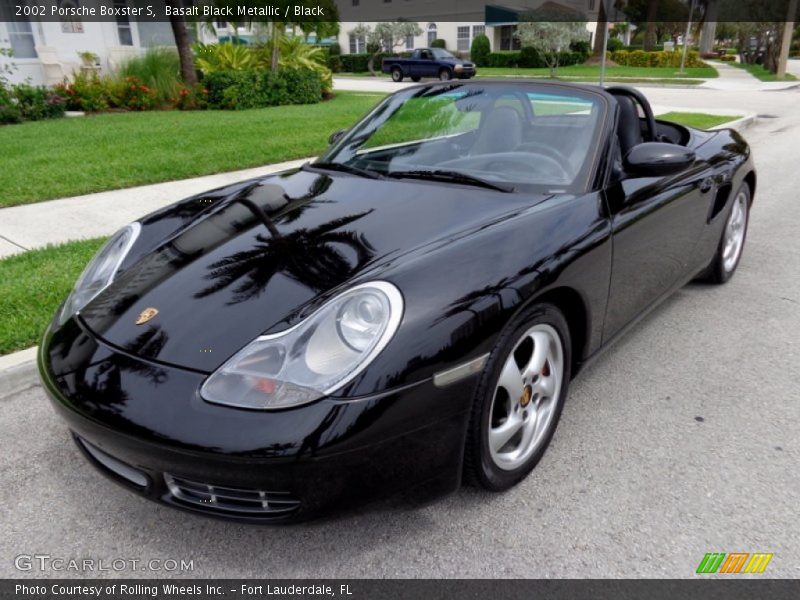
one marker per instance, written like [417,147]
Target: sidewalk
[35,225]
[733,79]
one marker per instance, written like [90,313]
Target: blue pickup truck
[428,62]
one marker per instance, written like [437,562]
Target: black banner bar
[490,12]
[718,588]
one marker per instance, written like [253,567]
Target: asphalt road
[681,440]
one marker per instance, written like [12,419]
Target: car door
[427,64]
[656,223]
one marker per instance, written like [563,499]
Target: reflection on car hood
[223,279]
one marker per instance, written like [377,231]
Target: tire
[445,75]
[488,462]
[397,75]
[415,78]
[731,243]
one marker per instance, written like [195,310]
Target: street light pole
[605,47]
[686,37]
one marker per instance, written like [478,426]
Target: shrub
[194,98]
[256,88]
[727,58]
[528,58]
[88,92]
[158,69]
[335,64]
[439,43]
[479,51]
[133,94]
[223,57]
[357,63]
[582,47]
[640,58]
[334,49]
[614,44]
[37,103]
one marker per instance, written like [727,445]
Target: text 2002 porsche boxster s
[404,311]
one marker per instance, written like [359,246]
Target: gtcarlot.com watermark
[48,563]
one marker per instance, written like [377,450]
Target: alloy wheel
[526,397]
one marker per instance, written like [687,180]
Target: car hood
[225,277]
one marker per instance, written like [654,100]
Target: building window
[591,4]
[358,45]
[20,34]
[462,39]
[123,25]
[70,24]
[478,30]
[509,41]
[409,42]
[432,31]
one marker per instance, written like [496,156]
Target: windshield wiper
[343,167]
[451,176]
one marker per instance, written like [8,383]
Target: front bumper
[150,418]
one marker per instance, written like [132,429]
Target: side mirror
[655,159]
[336,136]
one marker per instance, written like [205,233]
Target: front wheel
[445,75]
[731,245]
[397,75]
[519,399]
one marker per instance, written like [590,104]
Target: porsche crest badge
[146,315]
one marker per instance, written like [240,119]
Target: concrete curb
[18,372]
[746,121]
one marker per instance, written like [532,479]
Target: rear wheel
[445,75]
[519,399]
[731,245]
[397,74]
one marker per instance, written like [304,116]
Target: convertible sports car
[404,313]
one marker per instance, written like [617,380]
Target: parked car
[403,313]
[428,62]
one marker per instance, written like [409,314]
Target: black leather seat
[629,128]
[502,132]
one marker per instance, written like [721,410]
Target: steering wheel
[638,98]
[541,148]
[522,161]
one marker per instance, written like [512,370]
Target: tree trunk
[599,32]
[185,56]
[650,31]
[786,39]
[276,50]
[371,64]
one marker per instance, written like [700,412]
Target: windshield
[441,53]
[522,136]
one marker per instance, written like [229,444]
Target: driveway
[681,440]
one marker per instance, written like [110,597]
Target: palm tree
[183,43]
[309,256]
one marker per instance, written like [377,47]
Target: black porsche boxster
[404,313]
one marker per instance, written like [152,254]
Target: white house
[44,52]
[457,22]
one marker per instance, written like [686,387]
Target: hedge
[640,58]
[528,58]
[354,63]
[480,50]
[256,88]
[439,43]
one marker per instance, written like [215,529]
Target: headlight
[315,357]
[100,272]
[458,68]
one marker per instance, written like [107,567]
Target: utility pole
[686,37]
[605,45]
[786,42]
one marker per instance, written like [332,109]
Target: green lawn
[698,120]
[68,157]
[33,284]
[592,73]
[761,73]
